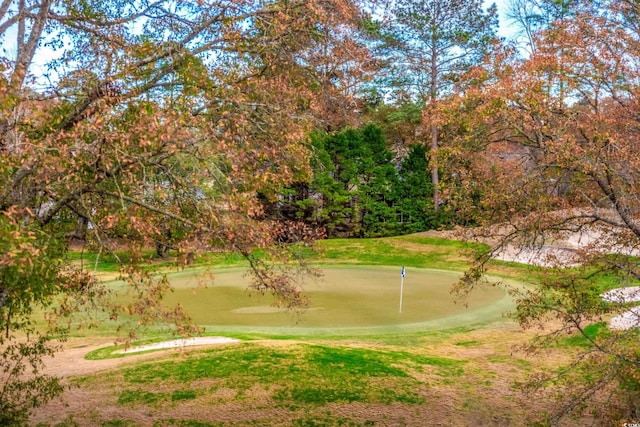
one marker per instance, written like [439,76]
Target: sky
[505,29]
[45,54]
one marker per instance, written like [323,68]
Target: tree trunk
[162,250]
[435,179]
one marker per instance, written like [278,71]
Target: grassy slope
[450,377]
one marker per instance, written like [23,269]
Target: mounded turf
[345,298]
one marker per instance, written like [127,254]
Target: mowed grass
[345,297]
[360,289]
[411,251]
[422,379]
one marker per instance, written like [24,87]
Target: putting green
[346,298]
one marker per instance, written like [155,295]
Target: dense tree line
[359,188]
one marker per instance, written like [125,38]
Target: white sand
[185,342]
[546,256]
[627,320]
[564,252]
[622,295]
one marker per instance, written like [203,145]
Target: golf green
[345,297]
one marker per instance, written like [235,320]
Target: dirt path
[70,360]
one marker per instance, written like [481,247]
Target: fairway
[345,298]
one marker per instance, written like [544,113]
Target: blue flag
[403,273]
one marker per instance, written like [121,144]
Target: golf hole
[345,297]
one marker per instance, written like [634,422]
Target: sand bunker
[622,295]
[564,252]
[627,320]
[185,342]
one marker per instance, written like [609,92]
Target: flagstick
[401,287]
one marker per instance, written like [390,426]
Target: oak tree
[134,124]
[562,163]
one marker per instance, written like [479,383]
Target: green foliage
[416,191]
[339,163]
[29,273]
[32,278]
[357,190]
[377,190]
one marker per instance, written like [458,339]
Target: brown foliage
[159,125]
[561,160]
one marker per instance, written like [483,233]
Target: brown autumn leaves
[166,121]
